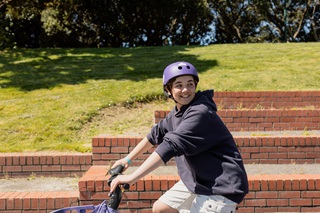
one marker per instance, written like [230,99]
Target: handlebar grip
[115,172]
[115,197]
[126,186]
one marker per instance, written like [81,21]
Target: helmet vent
[188,67]
[180,67]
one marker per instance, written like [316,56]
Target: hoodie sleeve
[200,130]
[159,130]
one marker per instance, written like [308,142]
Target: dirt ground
[38,184]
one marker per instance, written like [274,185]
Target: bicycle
[109,206]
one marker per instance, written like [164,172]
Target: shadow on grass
[32,69]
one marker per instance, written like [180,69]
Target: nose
[185,89]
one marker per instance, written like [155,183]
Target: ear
[167,90]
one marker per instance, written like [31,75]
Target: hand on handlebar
[123,180]
[122,161]
[116,194]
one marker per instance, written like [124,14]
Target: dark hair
[168,86]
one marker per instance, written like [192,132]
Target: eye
[178,86]
[191,84]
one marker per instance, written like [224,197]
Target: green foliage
[258,21]
[49,97]
[102,23]
[122,23]
[143,99]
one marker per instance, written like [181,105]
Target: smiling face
[183,90]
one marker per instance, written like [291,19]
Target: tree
[131,23]
[21,23]
[235,21]
[242,21]
[119,23]
[302,22]
[164,22]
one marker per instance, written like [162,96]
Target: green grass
[49,96]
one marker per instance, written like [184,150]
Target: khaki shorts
[180,198]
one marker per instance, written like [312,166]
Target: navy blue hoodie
[205,152]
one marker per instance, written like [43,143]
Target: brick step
[252,169]
[44,164]
[284,178]
[268,192]
[41,202]
[255,149]
[267,99]
[276,149]
[264,120]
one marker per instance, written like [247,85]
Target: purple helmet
[178,69]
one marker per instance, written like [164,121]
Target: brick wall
[44,164]
[282,193]
[40,202]
[264,120]
[254,149]
[268,193]
[279,149]
[106,149]
[140,196]
[267,99]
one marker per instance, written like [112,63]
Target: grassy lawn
[52,99]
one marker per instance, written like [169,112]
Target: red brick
[12,169]
[148,183]
[102,150]
[300,202]
[51,168]
[266,194]
[95,141]
[310,209]
[30,168]
[277,202]
[256,202]
[289,194]
[311,184]
[10,200]
[149,195]
[310,194]
[289,209]
[130,195]
[119,149]
[70,167]
[26,203]
[2,160]
[164,183]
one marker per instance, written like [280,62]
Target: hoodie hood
[202,97]
[207,96]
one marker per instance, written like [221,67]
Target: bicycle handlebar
[115,197]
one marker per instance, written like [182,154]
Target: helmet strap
[169,96]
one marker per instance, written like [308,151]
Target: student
[211,170]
